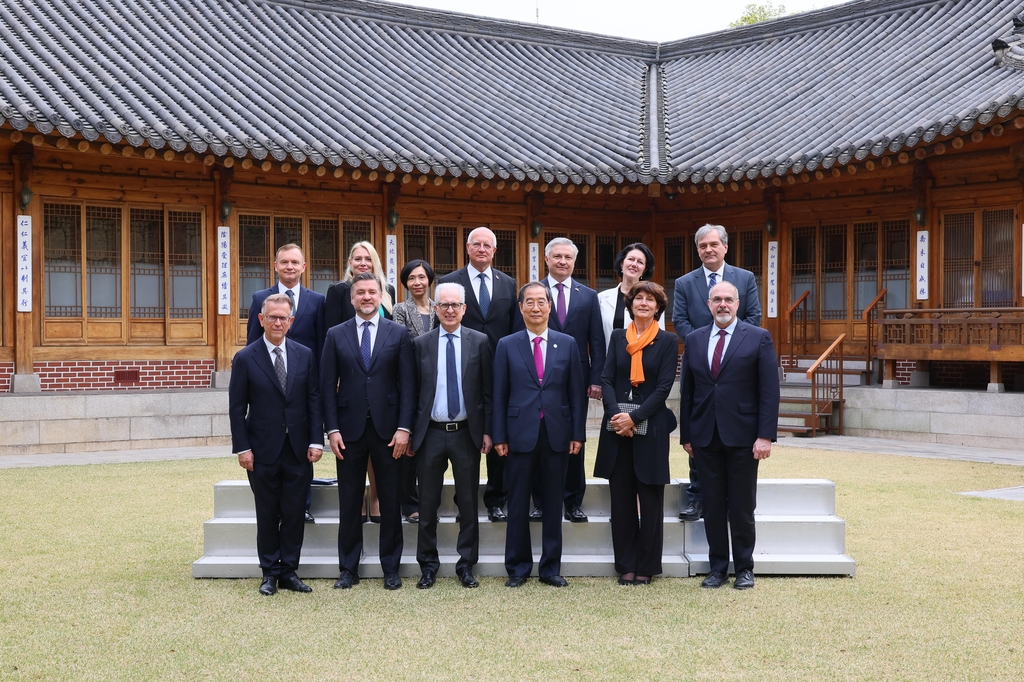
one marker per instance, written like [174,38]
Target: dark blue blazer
[387,389]
[307,327]
[583,323]
[690,301]
[743,402]
[260,412]
[519,396]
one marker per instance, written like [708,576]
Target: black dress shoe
[413,518]
[744,580]
[576,515]
[516,580]
[345,581]
[374,519]
[496,515]
[309,518]
[426,580]
[691,513]
[627,579]
[536,514]
[293,583]
[268,586]
[392,581]
[554,581]
[715,580]
[364,518]
[642,580]
[466,577]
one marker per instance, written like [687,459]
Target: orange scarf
[635,343]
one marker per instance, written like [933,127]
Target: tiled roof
[381,85]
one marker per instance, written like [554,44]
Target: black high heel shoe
[642,580]
[623,580]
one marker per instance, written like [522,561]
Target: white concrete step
[799,378]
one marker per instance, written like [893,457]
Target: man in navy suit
[577,313]
[491,309]
[277,433]
[690,312]
[540,420]
[728,417]
[368,382]
[308,327]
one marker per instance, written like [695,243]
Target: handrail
[826,375]
[874,310]
[824,356]
[803,297]
[790,314]
[867,311]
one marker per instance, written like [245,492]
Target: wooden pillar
[995,377]
[225,327]
[24,379]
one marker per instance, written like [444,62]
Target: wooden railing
[826,375]
[800,307]
[871,315]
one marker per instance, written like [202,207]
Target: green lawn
[98,587]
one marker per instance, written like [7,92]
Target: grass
[98,587]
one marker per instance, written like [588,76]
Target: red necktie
[538,361]
[716,359]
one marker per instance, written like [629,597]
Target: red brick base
[119,375]
[903,370]
[6,370]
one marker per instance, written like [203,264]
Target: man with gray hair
[690,312]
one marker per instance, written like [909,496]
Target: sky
[654,20]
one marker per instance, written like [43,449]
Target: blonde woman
[361,258]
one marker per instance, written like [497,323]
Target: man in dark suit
[453,423]
[277,433]
[540,420]
[690,312]
[729,413]
[577,313]
[368,383]
[491,309]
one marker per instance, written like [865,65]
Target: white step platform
[798,533]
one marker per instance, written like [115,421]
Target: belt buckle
[451,426]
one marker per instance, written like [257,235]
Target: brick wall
[903,370]
[6,370]
[121,375]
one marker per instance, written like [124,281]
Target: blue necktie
[711,280]
[364,347]
[485,295]
[452,379]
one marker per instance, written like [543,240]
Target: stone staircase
[798,533]
[795,410]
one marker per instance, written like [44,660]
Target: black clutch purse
[641,428]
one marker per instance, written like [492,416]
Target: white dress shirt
[713,341]
[373,331]
[474,280]
[554,292]
[719,274]
[439,411]
[281,289]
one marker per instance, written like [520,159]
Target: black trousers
[693,494]
[520,468]
[729,477]
[351,489]
[575,483]
[410,494]
[438,448]
[279,490]
[637,541]
[496,489]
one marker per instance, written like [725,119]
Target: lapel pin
[555,345]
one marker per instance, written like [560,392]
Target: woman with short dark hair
[635,263]
[416,311]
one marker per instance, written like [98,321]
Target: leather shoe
[691,513]
[466,577]
[392,581]
[536,514]
[293,583]
[715,580]
[744,580]
[268,586]
[496,515]
[426,580]
[516,580]
[554,581]
[576,515]
[309,518]
[345,581]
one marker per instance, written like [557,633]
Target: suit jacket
[338,306]
[307,327]
[405,313]
[608,299]
[503,316]
[477,382]
[386,389]
[260,412]
[519,396]
[690,302]
[583,323]
[743,402]
[650,452]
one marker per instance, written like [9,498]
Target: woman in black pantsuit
[640,369]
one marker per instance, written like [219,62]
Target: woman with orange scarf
[632,452]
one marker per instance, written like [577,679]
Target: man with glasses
[453,424]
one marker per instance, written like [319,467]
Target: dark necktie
[712,280]
[538,362]
[364,347]
[452,378]
[291,297]
[282,373]
[560,305]
[716,359]
[485,295]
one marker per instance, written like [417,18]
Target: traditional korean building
[866,158]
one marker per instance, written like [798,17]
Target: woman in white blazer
[635,263]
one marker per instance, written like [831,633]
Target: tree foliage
[754,13]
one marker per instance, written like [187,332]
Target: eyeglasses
[729,300]
[480,245]
[274,319]
[448,306]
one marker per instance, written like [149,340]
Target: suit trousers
[351,490]
[575,483]
[636,541]
[693,494]
[438,448]
[410,495]
[279,490]
[520,469]
[496,489]
[729,478]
